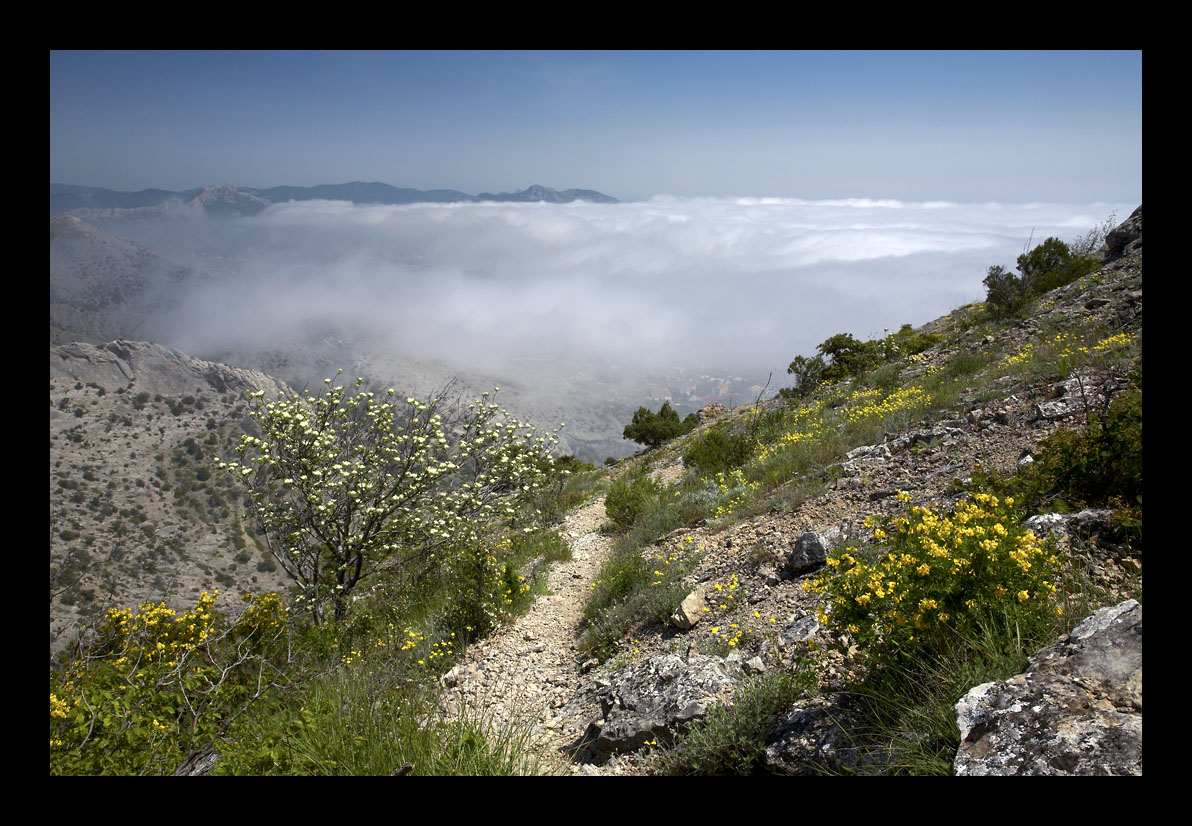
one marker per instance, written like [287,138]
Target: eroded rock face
[1076,710]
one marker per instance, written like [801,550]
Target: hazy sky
[1057,127]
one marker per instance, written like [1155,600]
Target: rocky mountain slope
[103,287]
[137,510]
[609,717]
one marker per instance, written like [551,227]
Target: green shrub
[843,357]
[717,451]
[484,586]
[628,500]
[1046,267]
[1099,465]
[632,588]
[652,429]
[906,342]
[808,373]
[570,483]
[546,544]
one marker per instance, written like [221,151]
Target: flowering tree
[348,484]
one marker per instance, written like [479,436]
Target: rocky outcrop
[1077,709]
[226,199]
[1075,396]
[154,369]
[812,740]
[809,552]
[711,411]
[652,701]
[1124,238]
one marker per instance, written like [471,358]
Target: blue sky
[1058,127]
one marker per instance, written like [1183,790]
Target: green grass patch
[357,722]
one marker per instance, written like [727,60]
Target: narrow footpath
[529,671]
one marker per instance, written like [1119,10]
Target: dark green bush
[848,357]
[631,590]
[1048,266]
[652,429]
[906,342]
[1096,466]
[844,357]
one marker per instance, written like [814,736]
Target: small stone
[690,611]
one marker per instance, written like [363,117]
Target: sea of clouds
[715,283]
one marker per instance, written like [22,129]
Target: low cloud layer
[742,284]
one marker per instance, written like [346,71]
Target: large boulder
[656,699]
[1077,709]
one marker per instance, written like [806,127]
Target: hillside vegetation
[914,458]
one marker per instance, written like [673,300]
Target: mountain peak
[538,193]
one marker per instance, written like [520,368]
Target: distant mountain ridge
[545,193]
[229,199]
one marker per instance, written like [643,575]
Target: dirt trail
[530,670]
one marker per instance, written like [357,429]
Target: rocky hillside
[137,511]
[103,287]
[720,614]
[748,611]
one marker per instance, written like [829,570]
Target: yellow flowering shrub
[873,404]
[733,490]
[155,685]
[936,570]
